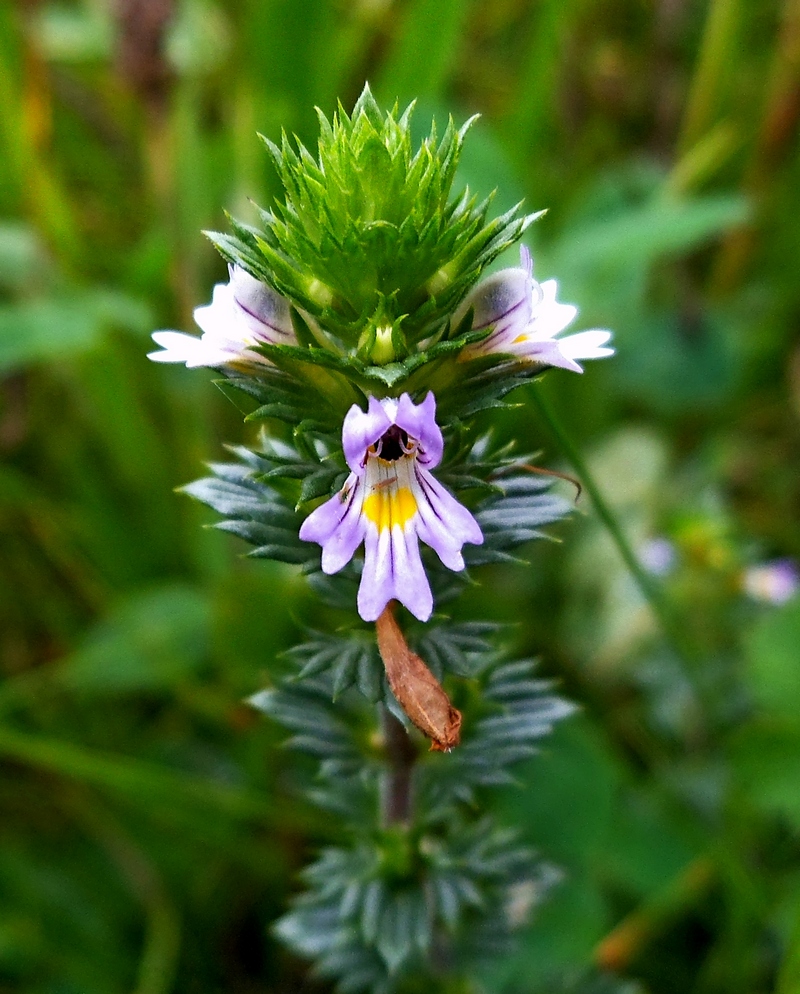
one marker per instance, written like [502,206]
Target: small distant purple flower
[772,583]
[657,555]
[243,313]
[390,501]
[526,320]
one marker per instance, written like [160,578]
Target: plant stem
[162,932]
[632,935]
[647,585]
[401,755]
[712,70]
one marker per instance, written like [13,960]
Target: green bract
[373,251]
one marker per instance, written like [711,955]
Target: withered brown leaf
[417,690]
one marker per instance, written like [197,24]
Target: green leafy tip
[370,241]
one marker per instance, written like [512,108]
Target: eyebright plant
[356,320]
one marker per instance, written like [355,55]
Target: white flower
[526,320]
[774,582]
[243,313]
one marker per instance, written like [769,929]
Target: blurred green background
[150,825]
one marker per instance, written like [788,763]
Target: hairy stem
[401,755]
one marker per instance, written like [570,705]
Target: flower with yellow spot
[391,501]
[525,320]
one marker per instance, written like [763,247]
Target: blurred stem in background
[776,132]
[712,74]
[649,588]
[162,935]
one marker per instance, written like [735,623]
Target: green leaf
[661,225]
[253,510]
[46,330]
[143,781]
[22,256]
[766,759]
[64,327]
[153,640]
[577,769]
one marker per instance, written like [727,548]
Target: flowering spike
[347,317]
[371,218]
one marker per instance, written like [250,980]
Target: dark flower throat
[392,443]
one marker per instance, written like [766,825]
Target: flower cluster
[391,500]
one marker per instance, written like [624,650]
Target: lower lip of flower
[390,499]
[386,508]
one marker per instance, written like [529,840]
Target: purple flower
[773,582]
[526,320]
[390,501]
[243,312]
[658,556]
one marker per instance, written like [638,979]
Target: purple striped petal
[264,312]
[529,330]
[443,523]
[242,313]
[504,299]
[419,422]
[393,570]
[361,430]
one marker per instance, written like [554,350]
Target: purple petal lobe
[337,525]
[377,582]
[419,422]
[393,570]
[548,353]
[444,524]
[361,430]
[410,582]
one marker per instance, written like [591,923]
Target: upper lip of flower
[361,430]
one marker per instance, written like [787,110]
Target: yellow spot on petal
[386,508]
[519,339]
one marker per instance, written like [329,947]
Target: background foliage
[151,828]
